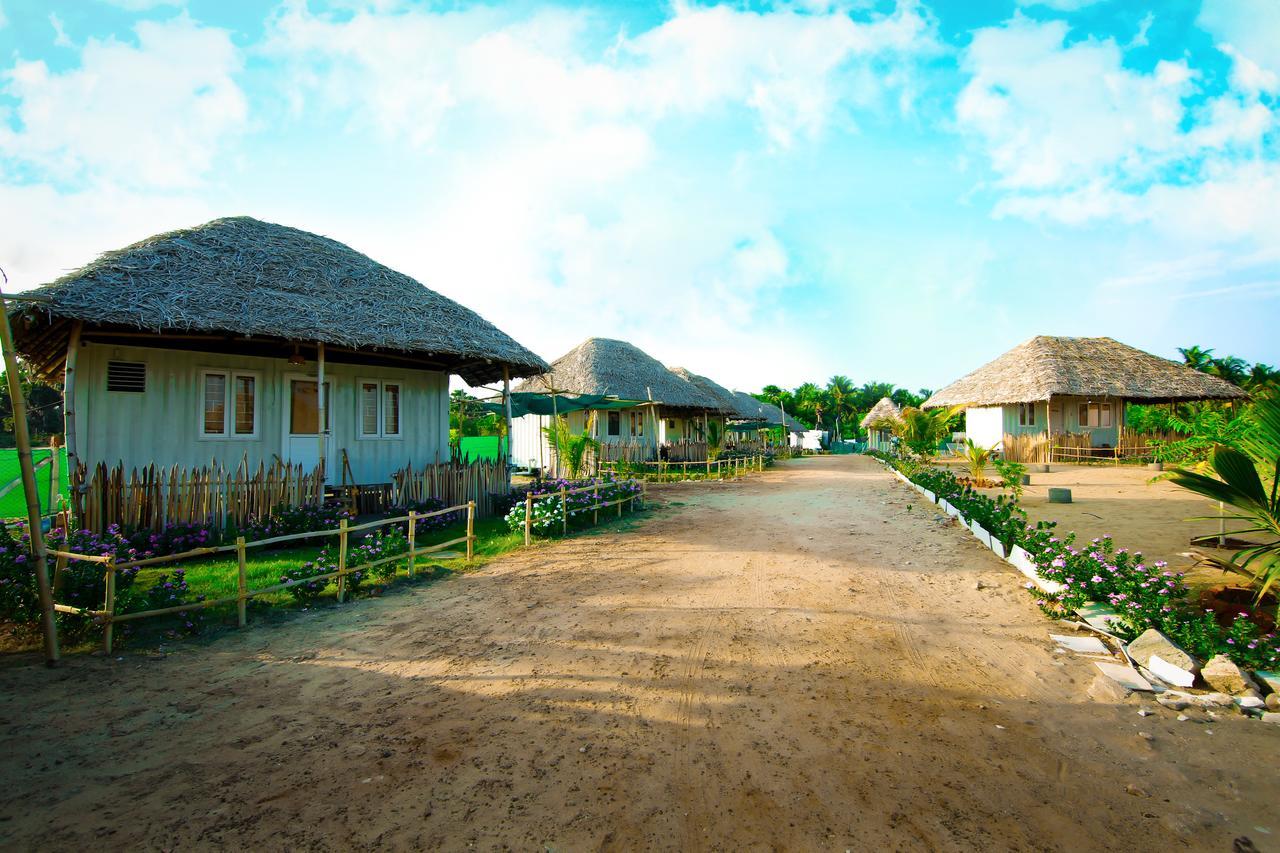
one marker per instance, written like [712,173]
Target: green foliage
[715,438]
[1203,428]
[977,458]
[1011,473]
[840,405]
[571,450]
[44,409]
[1255,496]
[921,431]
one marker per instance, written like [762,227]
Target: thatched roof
[723,397]
[247,278]
[1083,367]
[886,409]
[751,409]
[619,369]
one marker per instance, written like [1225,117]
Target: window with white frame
[228,404]
[1027,414]
[1095,414]
[379,408]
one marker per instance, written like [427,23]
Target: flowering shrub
[1145,596]
[285,520]
[435,522]
[169,590]
[1002,517]
[383,543]
[548,511]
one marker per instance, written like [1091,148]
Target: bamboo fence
[1078,447]
[594,508]
[663,471]
[214,495]
[108,617]
[454,483]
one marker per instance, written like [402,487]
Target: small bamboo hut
[878,422]
[251,342]
[1059,397]
[621,371]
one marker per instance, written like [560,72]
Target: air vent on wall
[130,376]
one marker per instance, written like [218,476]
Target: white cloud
[1251,30]
[59,34]
[154,114]
[1060,5]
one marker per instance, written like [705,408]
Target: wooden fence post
[55,471]
[342,560]
[564,511]
[595,503]
[242,591]
[109,605]
[471,529]
[528,518]
[413,537]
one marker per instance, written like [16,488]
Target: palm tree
[571,450]
[922,430]
[1234,370]
[1262,377]
[1197,358]
[977,458]
[1237,483]
[840,390]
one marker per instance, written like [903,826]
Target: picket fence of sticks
[479,482]
[108,617]
[214,495]
[663,471]
[596,505]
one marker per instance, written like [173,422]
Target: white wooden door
[301,422]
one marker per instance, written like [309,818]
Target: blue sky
[761,192]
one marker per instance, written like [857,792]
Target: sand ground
[795,661]
[1129,504]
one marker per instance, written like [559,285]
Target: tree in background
[840,401]
[44,410]
[840,392]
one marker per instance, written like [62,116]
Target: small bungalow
[692,427]
[1054,391]
[245,339]
[755,416]
[666,406]
[878,424]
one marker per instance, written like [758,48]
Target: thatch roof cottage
[622,371]
[878,424]
[210,342]
[1072,387]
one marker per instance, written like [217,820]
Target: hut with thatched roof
[240,338]
[878,422]
[619,371]
[676,427]
[1074,388]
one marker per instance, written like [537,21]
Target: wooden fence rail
[594,508]
[107,616]
[662,471]
[215,496]
[479,482]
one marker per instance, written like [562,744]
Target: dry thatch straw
[884,410]
[250,278]
[751,409]
[725,402]
[1045,367]
[618,369]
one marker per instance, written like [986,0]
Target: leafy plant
[571,450]
[977,458]
[1011,473]
[922,430]
[715,439]
[1237,483]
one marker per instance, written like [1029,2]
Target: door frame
[287,435]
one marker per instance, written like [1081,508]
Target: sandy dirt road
[798,660]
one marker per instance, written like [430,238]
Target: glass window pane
[391,409]
[245,398]
[304,408]
[215,404]
[1105,419]
[368,408]
[615,423]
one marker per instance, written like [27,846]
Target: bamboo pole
[69,393]
[342,560]
[471,529]
[242,583]
[595,504]
[528,518]
[564,510]
[22,438]
[109,610]
[55,471]
[320,412]
[413,538]
[506,397]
